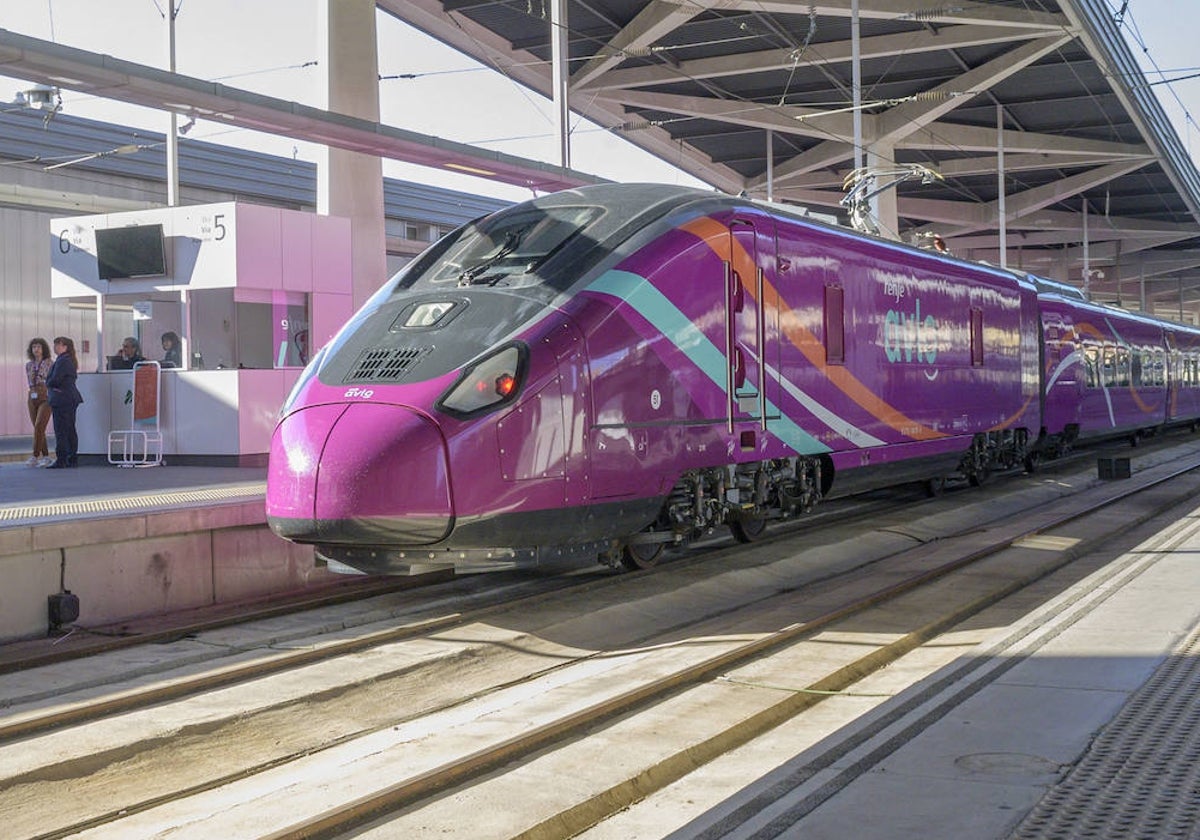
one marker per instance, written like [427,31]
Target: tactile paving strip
[1140,779]
[129,504]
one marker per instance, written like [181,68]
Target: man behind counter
[130,355]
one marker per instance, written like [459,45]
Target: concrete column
[350,184]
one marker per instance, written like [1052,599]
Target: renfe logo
[907,336]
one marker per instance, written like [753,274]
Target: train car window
[1160,368]
[976,336]
[507,245]
[1091,358]
[1108,372]
[1140,359]
[835,325]
[1053,345]
[1122,370]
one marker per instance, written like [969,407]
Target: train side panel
[936,352]
[738,337]
[1106,371]
[1183,374]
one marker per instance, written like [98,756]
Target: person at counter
[130,355]
[171,352]
[64,400]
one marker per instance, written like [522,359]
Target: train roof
[1054,287]
[627,201]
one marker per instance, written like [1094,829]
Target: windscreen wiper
[511,240]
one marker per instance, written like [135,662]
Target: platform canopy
[758,96]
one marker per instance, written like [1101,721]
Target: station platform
[31,494]
[136,541]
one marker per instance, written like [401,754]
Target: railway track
[82,641]
[623,677]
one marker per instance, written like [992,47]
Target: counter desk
[210,417]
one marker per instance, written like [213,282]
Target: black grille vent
[385,364]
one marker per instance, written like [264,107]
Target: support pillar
[350,184]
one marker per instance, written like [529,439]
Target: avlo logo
[362,393]
[908,337]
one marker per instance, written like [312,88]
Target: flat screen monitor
[137,251]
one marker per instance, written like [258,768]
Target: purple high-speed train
[615,369]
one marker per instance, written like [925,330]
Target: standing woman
[36,371]
[64,401]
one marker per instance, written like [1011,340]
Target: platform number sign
[213,228]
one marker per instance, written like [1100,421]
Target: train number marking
[655,399]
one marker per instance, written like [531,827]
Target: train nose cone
[364,473]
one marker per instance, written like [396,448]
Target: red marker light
[493,380]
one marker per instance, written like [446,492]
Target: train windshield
[499,249]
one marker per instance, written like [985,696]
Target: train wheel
[641,555]
[748,529]
[980,477]
[935,487]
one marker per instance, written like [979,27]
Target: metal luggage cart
[140,445]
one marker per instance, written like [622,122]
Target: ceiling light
[462,167]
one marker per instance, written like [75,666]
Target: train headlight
[490,382]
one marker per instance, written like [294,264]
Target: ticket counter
[249,291]
[215,417]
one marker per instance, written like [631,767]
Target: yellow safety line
[124,503]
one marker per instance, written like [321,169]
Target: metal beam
[53,64]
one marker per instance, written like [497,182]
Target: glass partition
[227,328]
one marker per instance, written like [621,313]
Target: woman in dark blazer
[64,400]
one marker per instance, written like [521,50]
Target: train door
[1171,370]
[745,336]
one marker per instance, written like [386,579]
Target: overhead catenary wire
[1125,20]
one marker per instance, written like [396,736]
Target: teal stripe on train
[652,305]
